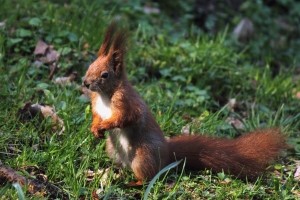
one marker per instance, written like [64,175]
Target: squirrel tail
[246,157]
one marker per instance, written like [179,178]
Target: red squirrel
[135,139]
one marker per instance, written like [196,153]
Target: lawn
[195,76]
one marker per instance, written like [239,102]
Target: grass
[185,75]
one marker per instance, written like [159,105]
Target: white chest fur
[117,136]
[103,107]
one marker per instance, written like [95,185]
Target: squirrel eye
[104,75]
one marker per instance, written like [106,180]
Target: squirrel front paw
[98,133]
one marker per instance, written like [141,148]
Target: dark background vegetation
[184,58]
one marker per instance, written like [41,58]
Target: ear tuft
[108,39]
[114,46]
[115,39]
[120,41]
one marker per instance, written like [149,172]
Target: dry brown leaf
[62,80]
[36,187]
[30,111]
[48,111]
[186,130]
[40,48]
[65,80]
[235,122]
[104,174]
[45,54]
[27,113]
[52,55]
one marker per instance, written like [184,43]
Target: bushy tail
[245,157]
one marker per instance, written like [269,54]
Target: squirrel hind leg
[112,153]
[144,165]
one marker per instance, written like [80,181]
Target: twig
[34,186]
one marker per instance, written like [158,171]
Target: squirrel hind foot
[136,184]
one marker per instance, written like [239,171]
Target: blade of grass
[19,191]
[165,169]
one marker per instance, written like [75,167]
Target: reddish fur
[246,156]
[148,151]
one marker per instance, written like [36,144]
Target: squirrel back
[135,139]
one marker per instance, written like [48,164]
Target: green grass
[185,75]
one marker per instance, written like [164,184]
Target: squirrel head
[106,73]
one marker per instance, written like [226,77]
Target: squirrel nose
[86,84]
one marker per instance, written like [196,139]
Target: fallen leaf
[186,130]
[103,174]
[36,187]
[40,48]
[46,54]
[52,55]
[48,111]
[235,122]
[27,113]
[30,111]
[66,80]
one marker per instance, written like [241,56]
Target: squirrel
[135,139]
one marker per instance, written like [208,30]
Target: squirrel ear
[116,61]
[118,50]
